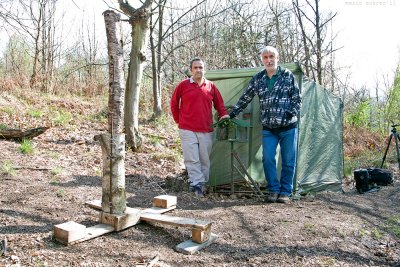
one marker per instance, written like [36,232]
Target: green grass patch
[54,181]
[376,233]
[98,117]
[167,156]
[26,147]
[162,121]
[393,226]
[7,168]
[8,110]
[61,193]
[35,113]
[97,172]
[62,118]
[54,155]
[366,160]
[57,171]
[3,126]
[155,139]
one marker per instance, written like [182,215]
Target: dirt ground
[51,186]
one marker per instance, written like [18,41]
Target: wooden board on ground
[72,232]
[95,231]
[158,210]
[68,232]
[96,204]
[175,221]
[164,201]
[190,247]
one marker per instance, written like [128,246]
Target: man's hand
[224,117]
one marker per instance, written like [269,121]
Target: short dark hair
[196,59]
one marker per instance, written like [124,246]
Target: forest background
[47,54]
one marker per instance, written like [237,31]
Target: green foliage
[53,181]
[376,233]
[359,117]
[162,121]
[40,263]
[57,171]
[310,226]
[99,116]
[35,113]
[97,172]
[366,159]
[155,139]
[61,193]
[26,147]
[54,155]
[173,156]
[62,118]
[3,126]
[329,261]
[392,107]
[393,226]
[7,168]
[8,110]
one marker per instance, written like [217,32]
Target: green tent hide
[320,154]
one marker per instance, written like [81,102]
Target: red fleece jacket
[191,105]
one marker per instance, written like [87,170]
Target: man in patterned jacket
[280,103]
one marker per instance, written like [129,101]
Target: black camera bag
[367,179]
[380,176]
[362,178]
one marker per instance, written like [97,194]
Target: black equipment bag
[368,179]
[380,176]
[362,181]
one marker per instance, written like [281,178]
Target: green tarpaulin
[320,154]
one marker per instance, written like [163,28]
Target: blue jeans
[288,147]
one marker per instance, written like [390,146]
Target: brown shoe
[272,197]
[283,199]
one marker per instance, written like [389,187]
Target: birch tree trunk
[113,143]
[139,20]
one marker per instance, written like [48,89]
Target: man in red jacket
[191,107]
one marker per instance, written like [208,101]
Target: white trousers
[196,149]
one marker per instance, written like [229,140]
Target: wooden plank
[68,232]
[158,210]
[94,204]
[95,231]
[190,247]
[175,221]
[201,236]
[164,201]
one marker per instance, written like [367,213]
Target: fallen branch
[18,134]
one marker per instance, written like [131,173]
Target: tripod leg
[387,148]
[397,138]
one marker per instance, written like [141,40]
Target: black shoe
[283,199]
[271,198]
[198,190]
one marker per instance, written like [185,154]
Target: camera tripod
[397,139]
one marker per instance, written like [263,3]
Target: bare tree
[35,21]
[139,19]
[315,44]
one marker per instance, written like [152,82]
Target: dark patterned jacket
[280,106]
